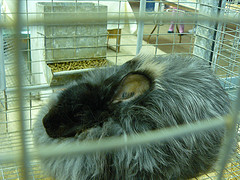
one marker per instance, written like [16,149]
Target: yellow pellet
[73,65]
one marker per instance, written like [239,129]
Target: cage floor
[10,142]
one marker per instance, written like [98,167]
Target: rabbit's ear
[131,86]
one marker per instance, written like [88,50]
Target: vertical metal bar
[158,23]
[218,36]
[29,66]
[118,27]
[2,68]
[6,109]
[19,86]
[218,26]
[175,28]
[194,27]
[140,26]
[2,72]
[230,134]
[218,46]
[205,29]
[158,32]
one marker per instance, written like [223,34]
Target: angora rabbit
[141,95]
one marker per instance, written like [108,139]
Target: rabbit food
[145,93]
[74,65]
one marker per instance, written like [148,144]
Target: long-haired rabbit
[141,95]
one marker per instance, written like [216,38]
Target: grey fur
[186,92]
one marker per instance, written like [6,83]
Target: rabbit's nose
[48,123]
[51,119]
[45,121]
[51,133]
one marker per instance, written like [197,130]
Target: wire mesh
[121,29]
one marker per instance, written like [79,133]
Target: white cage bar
[215,37]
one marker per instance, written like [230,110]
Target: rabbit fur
[146,93]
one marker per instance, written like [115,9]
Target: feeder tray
[58,74]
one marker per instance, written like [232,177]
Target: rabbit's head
[91,101]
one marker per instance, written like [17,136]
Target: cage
[43,48]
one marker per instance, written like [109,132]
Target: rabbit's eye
[126,95]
